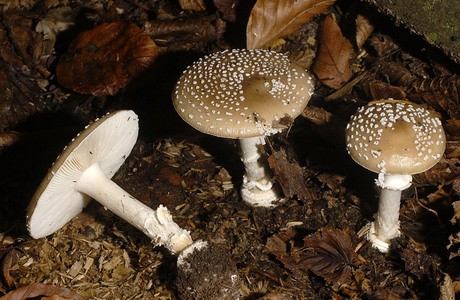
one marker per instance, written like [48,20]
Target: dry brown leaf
[272,19]
[440,92]
[377,90]
[332,64]
[186,33]
[289,176]
[227,8]
[421,265]
[193,5]
[446,289]
[456,218]
[9,261]
[35,290]
[316,115]
[101,61]
[454,245]
[364,29]
[444,172]
[328,253]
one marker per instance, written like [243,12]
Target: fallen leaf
[227,8]
[454,245]
[444,172]
[272,19]
[332,64]
[364,29]
[101,61]
[193,5]
[317,115]
[447,291]
[290,176]
[328,253]
[456,218]
[8,262]
[439,92]
[186,33]
[377,90]
[34,290]
[421,265]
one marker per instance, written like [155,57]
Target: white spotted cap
[241,93]
[395,137]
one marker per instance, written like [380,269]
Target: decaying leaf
[316,115]
[364,29]
[101,61]
[22,67]
[328,253]
[332,64]
[193,5]
[447,289]
[272,19]
[377,90]
[186,33]
[8,262]
[289,175]
[44,291]
[440,92]
[454,245]
[456,218]
[227,8]
[444,172]
[421,265]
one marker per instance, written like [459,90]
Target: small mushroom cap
[108,141]
[241,93]
[395,137]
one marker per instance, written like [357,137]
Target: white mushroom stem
[386,224]
[257,189]
[156,224]
[251,157]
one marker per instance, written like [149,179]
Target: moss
[436,20]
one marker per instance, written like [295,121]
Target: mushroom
[396,139]
[83,171]
[243,94]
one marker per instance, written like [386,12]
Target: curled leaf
[332,65]
[272,19]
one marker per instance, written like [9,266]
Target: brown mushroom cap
[395,137]
[241,93]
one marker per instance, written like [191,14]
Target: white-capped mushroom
[83,171]
[396,139]
[243,94]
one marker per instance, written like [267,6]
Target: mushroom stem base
[386,224]
[156,224]
[259,193]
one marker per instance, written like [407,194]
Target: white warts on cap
[220,94]
[395,137]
